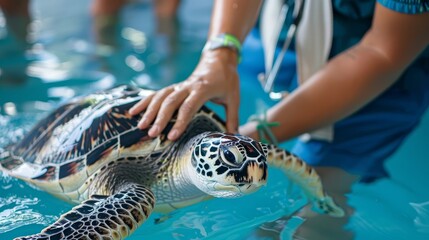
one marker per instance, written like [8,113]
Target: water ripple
[13,128]
[16,212]
[422,219]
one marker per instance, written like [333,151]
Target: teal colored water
[69,58]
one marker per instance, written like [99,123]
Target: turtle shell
[80,136]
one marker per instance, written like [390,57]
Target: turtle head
[228,165]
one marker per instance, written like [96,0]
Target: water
[67,59]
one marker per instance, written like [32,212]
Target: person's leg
[17,17]
[167,23]
[166,8]
[107,7]
[106,21]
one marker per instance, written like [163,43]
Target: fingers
[188,109]
[161,106]
[232,114]
[166,111]
[141,105]
[152,105]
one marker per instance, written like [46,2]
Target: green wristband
[224,40]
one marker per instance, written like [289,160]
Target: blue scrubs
[364,140]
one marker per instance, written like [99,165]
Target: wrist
[222,42]
[249,129]
[226,56]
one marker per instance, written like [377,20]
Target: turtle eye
[231,156]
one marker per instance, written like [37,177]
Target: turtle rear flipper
[305,177]
[102,217]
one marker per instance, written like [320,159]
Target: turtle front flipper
[305,177]
[102,217]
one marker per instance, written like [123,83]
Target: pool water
[68,59]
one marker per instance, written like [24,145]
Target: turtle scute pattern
[102,217]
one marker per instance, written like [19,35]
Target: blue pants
[363,141]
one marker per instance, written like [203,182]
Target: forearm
[346,84]
[235,17]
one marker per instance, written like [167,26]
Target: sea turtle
[90,152]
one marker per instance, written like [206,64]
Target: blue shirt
[406,6]
[353,18]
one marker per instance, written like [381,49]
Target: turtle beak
[226,191]
[230,188]
[259,184]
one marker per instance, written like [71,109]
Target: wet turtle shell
[90,152]
[87,133]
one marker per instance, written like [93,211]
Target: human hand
[215,78]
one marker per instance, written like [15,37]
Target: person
[17,21]
[106,14]
[374,89]
[18,18]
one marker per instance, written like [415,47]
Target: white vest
[313,41]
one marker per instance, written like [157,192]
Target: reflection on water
[384,212]
[24,209]
[227,218]
[13,128]
[16,212]
[124,41]
[422,219]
